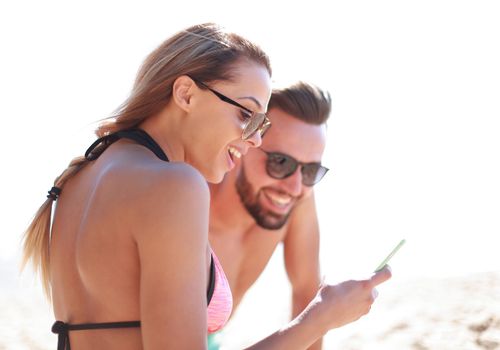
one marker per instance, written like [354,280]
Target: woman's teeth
[234,152]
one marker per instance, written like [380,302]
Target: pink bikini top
[221,303]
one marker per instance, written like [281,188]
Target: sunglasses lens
[280,166]
[313,173]
[254,124]
[265,126]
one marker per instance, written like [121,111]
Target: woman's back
[94,247]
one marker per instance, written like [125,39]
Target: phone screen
[391,254]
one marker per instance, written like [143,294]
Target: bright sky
[413,137]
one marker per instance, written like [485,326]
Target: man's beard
[264,218]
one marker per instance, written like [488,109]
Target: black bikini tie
[54,193]
[61,329]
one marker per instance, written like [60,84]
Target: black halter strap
[137,135]
[102,143]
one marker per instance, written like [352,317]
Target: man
[268,198]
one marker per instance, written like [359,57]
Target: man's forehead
[294,137]
[283,120]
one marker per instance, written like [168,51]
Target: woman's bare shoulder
[170,183]
[160,194]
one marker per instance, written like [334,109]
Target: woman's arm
[333,307]
[172,245]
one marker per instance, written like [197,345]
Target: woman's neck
[165,129]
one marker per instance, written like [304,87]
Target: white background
[413,137]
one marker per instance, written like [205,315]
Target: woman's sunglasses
[280,166]
[256,121]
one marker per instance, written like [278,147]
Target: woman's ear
[182,91]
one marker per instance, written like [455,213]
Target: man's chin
[272,221]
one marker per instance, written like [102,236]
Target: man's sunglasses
[280,166]
[256,121]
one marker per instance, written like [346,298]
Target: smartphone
[391,254]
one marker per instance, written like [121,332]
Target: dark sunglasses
[256,121]
[280,166]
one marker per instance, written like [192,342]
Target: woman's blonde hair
[204,52]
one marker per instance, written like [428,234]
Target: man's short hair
[303,101]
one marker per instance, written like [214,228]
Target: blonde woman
[127,262]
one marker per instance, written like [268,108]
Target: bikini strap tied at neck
[137,135]
[100,145]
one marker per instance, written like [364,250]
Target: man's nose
[293,183]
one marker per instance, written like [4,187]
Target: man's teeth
[280,200]
[235,152]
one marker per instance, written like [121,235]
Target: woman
[128,240]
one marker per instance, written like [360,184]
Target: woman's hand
[343,303]
[332,307]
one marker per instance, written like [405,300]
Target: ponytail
[37,235]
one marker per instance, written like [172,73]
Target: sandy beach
[430,314]
[455,313]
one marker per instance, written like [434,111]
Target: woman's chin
[215,177]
